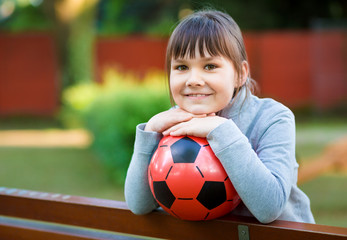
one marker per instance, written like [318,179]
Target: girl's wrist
[148,128]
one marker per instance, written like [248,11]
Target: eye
[210,67]
[181,67]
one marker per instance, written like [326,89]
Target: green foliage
[111,112]
[76,100]
[152,17]
[110,12]
[80,46]
[26,17]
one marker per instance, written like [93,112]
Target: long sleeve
[262,176]
[138,195]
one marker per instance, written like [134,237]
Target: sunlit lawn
[328,194]
[79,172]
[312,136]
[62,170]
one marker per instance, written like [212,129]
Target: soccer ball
[188,181]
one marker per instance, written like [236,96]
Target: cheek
[173,87]
[227,91]
[176,83]
[174,90]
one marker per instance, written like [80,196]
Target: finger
[184,129]
[174,117]
[172,129]
[187,131]
[195,127]
[181,131]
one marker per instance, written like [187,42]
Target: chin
[199,111]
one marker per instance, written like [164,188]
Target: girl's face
[202,85]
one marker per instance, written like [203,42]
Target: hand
[198,127]
[164,120]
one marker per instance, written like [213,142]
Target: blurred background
[75,76]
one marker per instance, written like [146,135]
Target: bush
[111,112]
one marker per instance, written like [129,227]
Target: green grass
[312,137]
[61,170]
[328,194]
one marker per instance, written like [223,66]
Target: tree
[74,30]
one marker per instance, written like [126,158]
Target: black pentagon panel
[185,150]
[212,194]
[163,193]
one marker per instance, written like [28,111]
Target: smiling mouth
[197,95]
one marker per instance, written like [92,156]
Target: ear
[244,73]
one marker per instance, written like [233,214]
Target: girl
[253,138]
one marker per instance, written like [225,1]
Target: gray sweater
[257,149]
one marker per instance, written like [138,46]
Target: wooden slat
[9,232]
[15,228]
[115,216]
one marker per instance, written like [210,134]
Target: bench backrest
[18,209]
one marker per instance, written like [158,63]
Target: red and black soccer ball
[188,181]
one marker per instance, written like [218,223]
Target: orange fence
[298,68]
[28,74]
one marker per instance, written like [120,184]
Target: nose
[195,79]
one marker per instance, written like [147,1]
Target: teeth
[197,95]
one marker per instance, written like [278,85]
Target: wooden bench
[38,215]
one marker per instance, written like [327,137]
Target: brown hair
[212,31]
